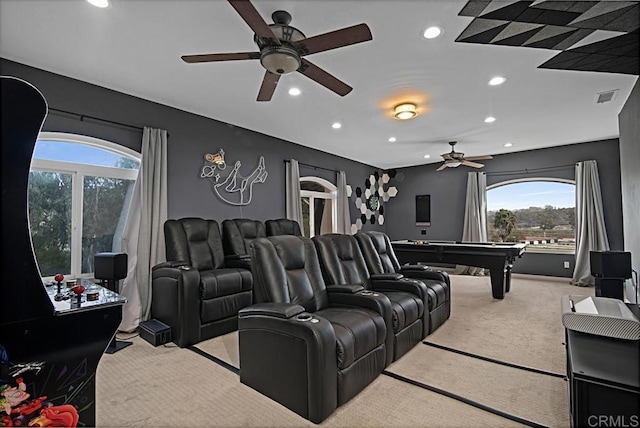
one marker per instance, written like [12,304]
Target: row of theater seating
[206,279]
[318,319]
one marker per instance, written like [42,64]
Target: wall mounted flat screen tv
[423,210]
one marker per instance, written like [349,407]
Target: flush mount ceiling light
[405,111]
[431,32]
[336,125]
[294,92]
[392,139]
[427,156]
[99,3]
[508,144]
[490,119]
[498,80]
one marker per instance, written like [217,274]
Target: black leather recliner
[381,259]
[194,293]
[237,235]
[282,226]
[307,346]
[342,263]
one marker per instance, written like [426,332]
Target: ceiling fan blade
[446,156]
[443,166]
[253,19]
[479,157]
[472,164]
[268,87]
[314,72]
[191,59]
[334,39]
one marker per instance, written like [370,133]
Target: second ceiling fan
[282,47]
[454,159]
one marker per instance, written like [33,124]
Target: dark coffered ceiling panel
[559,25]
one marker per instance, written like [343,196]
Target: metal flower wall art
[227,183]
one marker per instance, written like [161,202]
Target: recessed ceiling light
[490,119]
[294,91]
[336,125]
[431,32]
[498,80]
[392,139]
[508,144]
[427,156]
[99,3]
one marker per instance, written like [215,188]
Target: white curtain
[591,233]
[342,201]
[143,239]
[475,217]
[293,204]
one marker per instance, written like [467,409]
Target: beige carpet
[524,328]
[172,387]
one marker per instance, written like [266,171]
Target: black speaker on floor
[155,332]
[610,264]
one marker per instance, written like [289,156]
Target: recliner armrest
[171,264]
[274,309]
[410,285]
[386,276]
[238,261]
[428,273]
[175,300]
[414,267]
[291,360]
[345,288]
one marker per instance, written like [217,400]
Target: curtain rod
[313,166]
[532,170]
[84,116]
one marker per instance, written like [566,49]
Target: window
[319,208]
[540,212]
[80,189]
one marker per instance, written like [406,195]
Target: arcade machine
[51,337]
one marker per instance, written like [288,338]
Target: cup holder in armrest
[369,293]
[304,317]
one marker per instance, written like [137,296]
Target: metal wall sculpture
[230,186]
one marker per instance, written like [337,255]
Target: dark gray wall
[629,122]
[448,190]
[190,137]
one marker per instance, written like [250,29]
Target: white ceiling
[134,46]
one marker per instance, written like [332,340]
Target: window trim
[530,179]
[78,171]
[65,137]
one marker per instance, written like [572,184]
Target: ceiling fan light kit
[405,111]
[280,59]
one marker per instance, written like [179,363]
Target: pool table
[498,257]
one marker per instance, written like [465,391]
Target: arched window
[539,211]
[319,208]
[80,189]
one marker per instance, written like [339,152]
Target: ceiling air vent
[605,97]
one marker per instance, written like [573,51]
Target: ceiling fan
[454,159]
[282,47]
